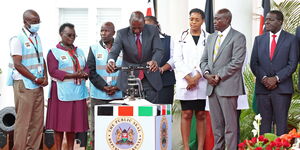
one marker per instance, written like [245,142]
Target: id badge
[39,69]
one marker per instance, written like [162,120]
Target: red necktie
[273,46]
[139,47]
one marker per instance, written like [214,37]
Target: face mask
[34,28]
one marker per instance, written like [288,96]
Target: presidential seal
[164,133]
[124,133]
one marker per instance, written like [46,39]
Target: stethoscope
[186,33]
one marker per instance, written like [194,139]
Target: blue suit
[283,65]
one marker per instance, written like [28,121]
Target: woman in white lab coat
[190,84]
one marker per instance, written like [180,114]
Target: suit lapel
[131,39]
[279,43]
[212,45]
[266,45]
[144,39]
[224,43]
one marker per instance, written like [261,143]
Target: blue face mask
[34,28]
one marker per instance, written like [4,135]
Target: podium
[124,127]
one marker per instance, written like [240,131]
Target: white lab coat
[187,57]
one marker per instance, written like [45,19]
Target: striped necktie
[217,47]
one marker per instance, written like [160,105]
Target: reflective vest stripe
[70,68]
[101,67]
[10,65]
[29,56]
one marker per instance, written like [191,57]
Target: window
[78,17]
[108,14]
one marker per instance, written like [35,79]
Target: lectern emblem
[164,133]
[124,133]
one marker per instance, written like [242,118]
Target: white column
[172,16]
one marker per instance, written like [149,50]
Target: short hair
[226,12]
[137,16]
[279,15]
[197,10]
[29,12]
[110,24]
[154,19]
[63,26]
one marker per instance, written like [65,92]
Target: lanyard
[35,47]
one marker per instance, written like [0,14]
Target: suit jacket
[151,50]
[298,34]
[228,63]
[283,64]
[298,38]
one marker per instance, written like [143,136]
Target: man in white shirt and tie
[222,63]
[273,61]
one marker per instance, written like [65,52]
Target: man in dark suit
[221,64]
[166,66]
[140,45]
[274,59]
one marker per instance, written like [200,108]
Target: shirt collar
[103,44]
[225,32]
[277,34]
[140,34]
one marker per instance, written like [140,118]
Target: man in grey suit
[221,64]
[141,45]
[274,58]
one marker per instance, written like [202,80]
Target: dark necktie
[139,47]
[273,46]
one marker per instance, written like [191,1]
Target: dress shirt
[271,38]
[224,33]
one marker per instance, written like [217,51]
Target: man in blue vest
[28,76]
[103,87]
[166,66]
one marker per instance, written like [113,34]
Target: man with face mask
[103,87]
[141,45]
[28,76]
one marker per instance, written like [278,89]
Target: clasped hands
[212,79]
[111,66]
[43,81]
[269,82]
[80,74]
[110,90]
[192,81]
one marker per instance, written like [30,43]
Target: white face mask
[34,28]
